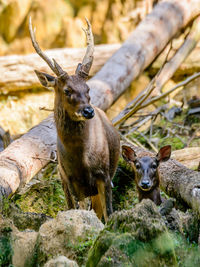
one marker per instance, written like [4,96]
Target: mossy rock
[44,194]
[6,250]
[136,237]
[70,234]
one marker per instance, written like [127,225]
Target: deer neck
[66,127]
[153,194]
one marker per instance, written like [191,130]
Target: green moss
[81,249]
[46,196]
[6,251]
[124,191]
[99,248]
[125,250]
[187,253]
[136,237]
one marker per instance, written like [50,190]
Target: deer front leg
[68,195]
[96,205]
[105,193]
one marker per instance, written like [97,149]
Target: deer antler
[52,64]
[84,67]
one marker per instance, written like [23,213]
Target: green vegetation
[124,191]
[177,132]
[81,249]
[5,247]
[45,195]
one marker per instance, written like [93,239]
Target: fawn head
[145,168]
[71,92]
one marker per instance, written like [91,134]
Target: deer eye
[154,165]
[67,92]
[137,165]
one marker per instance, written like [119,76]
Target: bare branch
[181,84]
[163,75]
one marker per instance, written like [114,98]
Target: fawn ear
[128,153]
[164,153]
[45,79]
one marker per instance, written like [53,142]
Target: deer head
[71,92]
[145,168]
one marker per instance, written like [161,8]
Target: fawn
[146,171]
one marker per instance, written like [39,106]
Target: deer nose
[88,112]
[145,184]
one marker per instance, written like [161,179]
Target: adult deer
[87,143]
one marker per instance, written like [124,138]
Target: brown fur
[154,192]
[88,149]
[87,143]
[146,172]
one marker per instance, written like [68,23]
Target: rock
[23,247]
[6,251]
[186,223]
[70,234]
[167,206]
[27,220]
[15,247]
[136,237]
[61,261]
[12,16]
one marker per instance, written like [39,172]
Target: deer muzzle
[88,112]
[145,184]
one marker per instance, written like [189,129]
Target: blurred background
[59,25]
[59,22]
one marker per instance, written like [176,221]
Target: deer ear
[128,153]
[164,153]
[45,79]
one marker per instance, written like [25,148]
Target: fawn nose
[145,184]
[88,112]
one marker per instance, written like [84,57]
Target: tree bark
[177,181]
[27,155]
[19,70]
[141,48]
[189,66]
[164,75]
[189,157]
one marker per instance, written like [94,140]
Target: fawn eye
[154,165]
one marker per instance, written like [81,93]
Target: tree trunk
[27,155]
[189,157]
[19,70]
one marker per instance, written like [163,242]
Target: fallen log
[177,181]
[189,157]
[189,66]
[27,155]
[166,72]
[19,70]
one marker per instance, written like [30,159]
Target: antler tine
[39,51]
[88,58]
